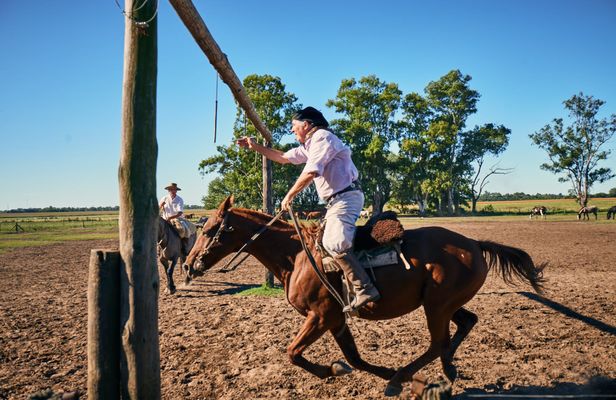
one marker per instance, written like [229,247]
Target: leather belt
[353,186]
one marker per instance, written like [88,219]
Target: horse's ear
[225,205]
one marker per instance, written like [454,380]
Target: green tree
[440,160]
[477,144]
[575,150]
[368,126]
[452,101]
[240,171]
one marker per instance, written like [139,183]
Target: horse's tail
[514,264]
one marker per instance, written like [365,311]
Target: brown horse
[584,211]
[447,271]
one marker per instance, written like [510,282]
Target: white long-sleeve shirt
[171,206]
[325,154]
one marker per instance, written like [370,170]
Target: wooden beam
[193,21]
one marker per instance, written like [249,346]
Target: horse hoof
[393,390]
[187,281]
[340,368]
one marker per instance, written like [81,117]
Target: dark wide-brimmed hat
[311,115]
[172,185]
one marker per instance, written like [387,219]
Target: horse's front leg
[169,273]
[344,338]
[312,329]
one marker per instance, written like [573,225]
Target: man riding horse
[328,163]
[172,209]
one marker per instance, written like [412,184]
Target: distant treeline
[78,209]
[495,196]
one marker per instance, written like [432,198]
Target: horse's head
[217,240]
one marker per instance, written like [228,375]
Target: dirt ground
[217,345]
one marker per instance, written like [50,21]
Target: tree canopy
[575,150]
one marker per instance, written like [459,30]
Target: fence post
[104,344]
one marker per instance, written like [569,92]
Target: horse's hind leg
[345,340]
[438,324]
[465,321]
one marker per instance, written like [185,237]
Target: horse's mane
[310,231]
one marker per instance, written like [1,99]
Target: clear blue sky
[61,79]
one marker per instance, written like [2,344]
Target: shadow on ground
[597,387]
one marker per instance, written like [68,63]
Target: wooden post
[104,325]
[138,207]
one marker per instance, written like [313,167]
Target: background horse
[170,250]
[584,211]
[314,214]
[447,271]
[538,210]
[611,212]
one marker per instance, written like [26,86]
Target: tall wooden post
[138,207]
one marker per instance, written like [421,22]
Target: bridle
[216,239]
[225,228]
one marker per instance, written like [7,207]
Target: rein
[254,237]
[313,263]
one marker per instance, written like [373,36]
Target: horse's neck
[276,249]
[165,233]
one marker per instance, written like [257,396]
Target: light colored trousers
[342,213]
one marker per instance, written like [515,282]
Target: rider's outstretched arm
[272,154]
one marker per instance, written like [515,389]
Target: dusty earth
[216,344]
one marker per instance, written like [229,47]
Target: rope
[140,24]
[216,110]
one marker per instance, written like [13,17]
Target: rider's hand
[286,202]
[246,142]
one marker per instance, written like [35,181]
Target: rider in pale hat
[172,205]
[172,209]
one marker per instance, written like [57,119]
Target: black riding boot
[365,291]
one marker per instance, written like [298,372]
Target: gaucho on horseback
[328,164]
[172,210]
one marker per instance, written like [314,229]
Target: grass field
[555,206]
[37,229]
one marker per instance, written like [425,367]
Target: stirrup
[354,306]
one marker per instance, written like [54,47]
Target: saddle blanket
[184,227]
[381,257]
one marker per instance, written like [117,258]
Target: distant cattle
[584,211]
[314,214]
[538,211]
[201,222]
